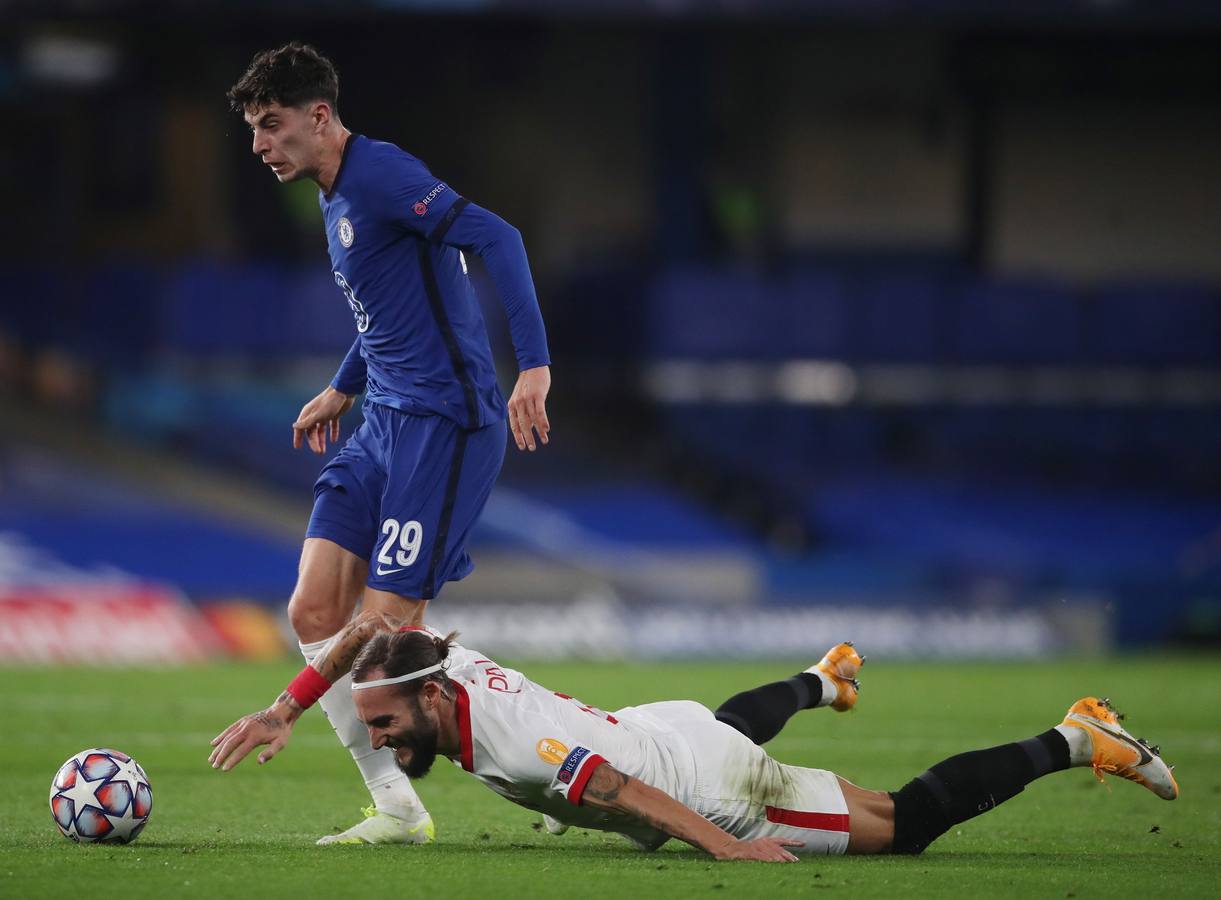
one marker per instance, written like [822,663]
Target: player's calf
[761,713]
[969,784]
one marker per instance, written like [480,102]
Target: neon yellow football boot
[382,828]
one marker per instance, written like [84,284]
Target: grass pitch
[250,833]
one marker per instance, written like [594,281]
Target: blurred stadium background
[899,320]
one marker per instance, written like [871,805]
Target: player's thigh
[348,491]
[436,487]
[687,716]
[751,795]
[330,580]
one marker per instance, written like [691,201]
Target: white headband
[380,682]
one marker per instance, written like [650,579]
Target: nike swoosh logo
[1145,756]
[381,571]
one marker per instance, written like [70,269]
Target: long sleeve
[418,203]
[496,242]
[353,374]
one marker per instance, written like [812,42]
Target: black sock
[966,785]
[761,713]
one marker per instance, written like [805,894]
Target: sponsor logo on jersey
[346,233]
[551,751]
[571,763]
[421,206]
[358,309]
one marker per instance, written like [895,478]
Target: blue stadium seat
[701,313]
[214,309]
[120,315]
[779,444]
[904,317]
[729,313]
[812,316]
[601,312]
[642,512]
[1017,321]
[1156,324]
[729,436]
[39,304]
[1028,531]
[312,316]
[1085,444]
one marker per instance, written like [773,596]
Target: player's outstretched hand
[319,419]
[231,745]
[528,407]
[764,849]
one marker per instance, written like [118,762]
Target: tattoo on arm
[606,783]
[290,701]
[337,656]
[608,788]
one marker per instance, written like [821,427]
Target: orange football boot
[1117,752]
[841,664]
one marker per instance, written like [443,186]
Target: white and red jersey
[539,748]
[468,665]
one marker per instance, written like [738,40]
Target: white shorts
[741,789]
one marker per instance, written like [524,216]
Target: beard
[422,742]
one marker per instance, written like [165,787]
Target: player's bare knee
[314,617]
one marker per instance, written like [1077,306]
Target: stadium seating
[1006,321]
[209,358]
[1155,324]
[104,527]
[1049,492]
[903,317]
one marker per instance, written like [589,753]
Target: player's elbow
[498,232]
[484,232]
[502,234]
[511,233]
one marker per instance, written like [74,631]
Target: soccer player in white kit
[675,768]
[546,751]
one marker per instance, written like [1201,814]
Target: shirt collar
[466,746]
[343,161]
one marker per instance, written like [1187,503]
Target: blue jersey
[396,237]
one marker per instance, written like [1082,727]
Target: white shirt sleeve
[532,749]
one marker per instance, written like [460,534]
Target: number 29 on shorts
[402,544]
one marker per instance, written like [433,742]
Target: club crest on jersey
[551,751]
[346,233]
[570,764]
[421,206]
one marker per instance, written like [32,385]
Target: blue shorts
[404,493]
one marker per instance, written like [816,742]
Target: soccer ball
[101,796]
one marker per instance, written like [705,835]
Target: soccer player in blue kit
[393,509]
